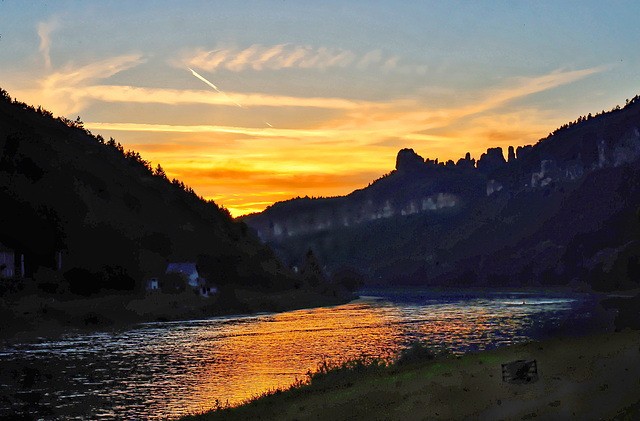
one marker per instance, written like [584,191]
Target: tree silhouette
[159,172]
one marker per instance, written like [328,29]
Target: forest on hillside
[88,215]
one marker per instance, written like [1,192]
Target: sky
[253,102]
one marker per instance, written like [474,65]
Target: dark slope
[65,192]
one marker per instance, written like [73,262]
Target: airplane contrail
[213,86]
[196,74]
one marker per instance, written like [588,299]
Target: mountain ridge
[430,222]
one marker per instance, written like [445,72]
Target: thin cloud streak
[526,86]
[258,132]
[120,93]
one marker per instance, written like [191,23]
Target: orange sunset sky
[255,102]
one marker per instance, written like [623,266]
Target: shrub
[417,351]
[83,282]
[340,373]
[349,278]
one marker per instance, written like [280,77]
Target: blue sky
[253,102]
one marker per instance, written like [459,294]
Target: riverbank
[31,317]
[589,377]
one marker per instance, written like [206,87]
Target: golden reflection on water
[273,351]
[166,370]
[276,351]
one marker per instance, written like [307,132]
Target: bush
[173,283]
[340,373]
[416,352]
[348,278]
[117,278]
[83,282]
[49,281]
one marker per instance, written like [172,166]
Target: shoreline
[47,320]
[587,377]
[357,385]
[584,374]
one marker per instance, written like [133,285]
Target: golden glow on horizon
[268,107]
[248,163]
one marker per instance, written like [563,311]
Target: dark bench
[520,371]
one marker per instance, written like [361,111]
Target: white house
[190,271]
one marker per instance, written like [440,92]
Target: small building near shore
[190,271]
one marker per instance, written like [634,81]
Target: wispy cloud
[283,156]
[118,93]
[72,75]
[522,86]
[68,89]
[360,123]
[320,134]
[419,119]
[44,32]
[284,56]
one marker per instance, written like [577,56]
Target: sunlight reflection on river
[161,370]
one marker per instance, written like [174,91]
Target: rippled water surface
[164,370]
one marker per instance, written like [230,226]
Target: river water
[165,370]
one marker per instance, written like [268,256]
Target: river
[165,370]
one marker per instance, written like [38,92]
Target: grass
[590,377]
[338,378]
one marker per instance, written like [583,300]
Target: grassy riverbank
[30,317]
[590,377]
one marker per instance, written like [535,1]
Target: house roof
[187,268]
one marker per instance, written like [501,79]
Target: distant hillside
[71,197]
[562,210]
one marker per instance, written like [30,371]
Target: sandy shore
[586,378]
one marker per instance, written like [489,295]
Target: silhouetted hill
[110,218]
[562,210]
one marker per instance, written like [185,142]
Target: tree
[159,172]
[311,271]
[349,278]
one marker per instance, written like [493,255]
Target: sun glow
[248,146]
